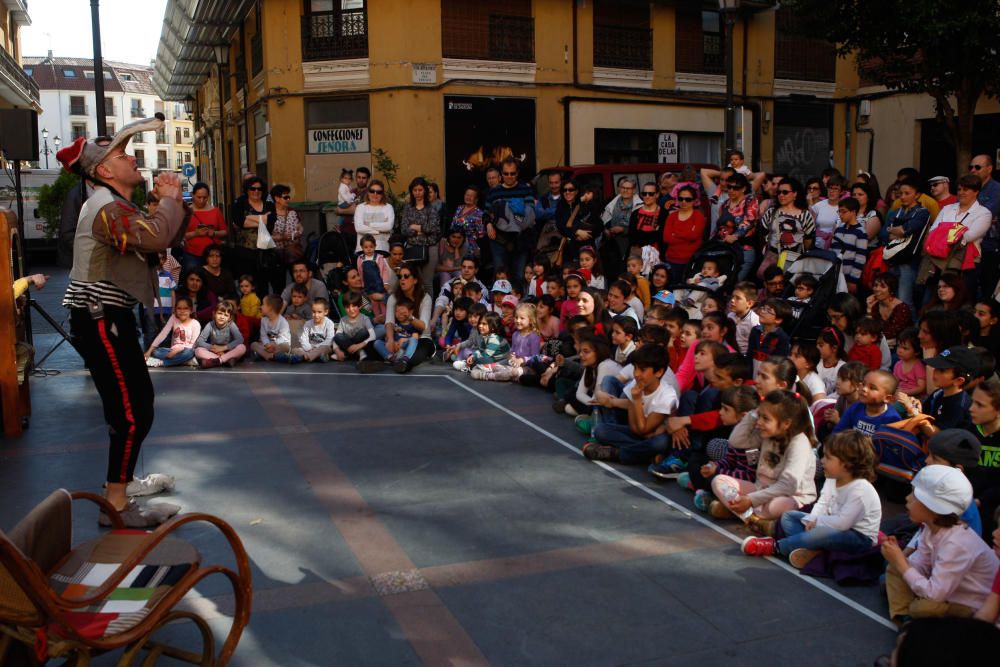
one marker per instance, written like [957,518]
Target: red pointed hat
[83,155]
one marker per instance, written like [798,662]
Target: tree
[51,198]
[945,48]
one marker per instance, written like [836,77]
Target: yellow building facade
[309,87]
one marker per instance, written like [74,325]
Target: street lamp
[729,9]
[222,59]
[45,150]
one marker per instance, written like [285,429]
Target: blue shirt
[855,417]
[989,197]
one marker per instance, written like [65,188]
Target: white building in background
[66,89]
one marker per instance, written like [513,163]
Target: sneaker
[799,558]
[282,358]
[136,516]
[324,358]
[702,499]
[758,546]
[477,373]
[192,362]
[402,364]
[370,365]
[570,410]
[153,362]
[232,362]
[684,481]
[583,424]
[761,527]
[669,468]
[719,511]
[149,485]
[209,363]
[559,406]
[296,358]
[598,452]
[460,365]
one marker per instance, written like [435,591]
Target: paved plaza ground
[430,519]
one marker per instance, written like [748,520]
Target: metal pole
[95,21]
[46,152]
[730,126]
[225,151]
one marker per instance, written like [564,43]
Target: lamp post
[729,9]
[222,59]
[45,149]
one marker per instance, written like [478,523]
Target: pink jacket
[381,263]
[952,565]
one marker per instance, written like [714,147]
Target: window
[622,39]
[260,135]
[29,71]
[109,128]
[187,157]
[78,130]
[69,73]
[161,136]
[161,160]
[800,57]
[337,113]
[77,105]
[109,106]
[700,41]
[125,76]
[88,74]
[137,110]
[140,158]
[187,134]
[177,135]
[331,30]
[488,30]
[138,138]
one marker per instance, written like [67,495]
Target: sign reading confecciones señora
[338,140]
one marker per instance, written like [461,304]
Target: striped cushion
[92,563]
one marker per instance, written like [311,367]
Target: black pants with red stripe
[111,349]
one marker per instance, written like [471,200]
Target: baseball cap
[942,490]
[938,179]
[509,300]
[665,296]
[83,155]
[956,446]
[962,359]
[501,286]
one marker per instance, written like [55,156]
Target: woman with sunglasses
[250,212]
[376,217]
[682,233]
[645,225]
[205,227]
[578,219]
[287,229]
[737,224]
[790,227]
[409,287]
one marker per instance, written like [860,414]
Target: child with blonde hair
[220,341]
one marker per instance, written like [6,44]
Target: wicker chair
[113,592]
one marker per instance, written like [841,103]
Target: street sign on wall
[338,140]
[668,149]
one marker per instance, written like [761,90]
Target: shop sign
[667,148]
[338,140]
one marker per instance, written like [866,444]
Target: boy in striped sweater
[850,242]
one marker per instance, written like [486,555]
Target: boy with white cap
[951,571]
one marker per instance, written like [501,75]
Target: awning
[191,30]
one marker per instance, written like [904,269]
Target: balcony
[16,87]
[623,48]
[505,38]
[161,137]
[336,35]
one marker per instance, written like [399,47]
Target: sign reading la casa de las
[338,140]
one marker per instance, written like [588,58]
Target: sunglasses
[975,167]
[569,189]
[785,192]
[733,186]
[375,192]
[255,189]
[286,196]
[510,173]
[405,276]
[685,199]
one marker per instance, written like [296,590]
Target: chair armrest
[102,502]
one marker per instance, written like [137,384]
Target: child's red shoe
[758,546]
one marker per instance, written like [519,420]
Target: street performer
[114,268]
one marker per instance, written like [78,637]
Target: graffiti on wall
[801,152]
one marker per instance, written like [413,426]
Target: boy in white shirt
[275,336]
[742,314]
[649,402]
[316,339]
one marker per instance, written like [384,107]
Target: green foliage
[51,198]
[388,168]
[139,196]
[945,48]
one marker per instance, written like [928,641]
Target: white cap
[938,179]
[501,286]
[942,489]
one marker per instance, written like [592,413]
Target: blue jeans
[631,448]
[907,279]
[408,348]
[611,385]
[749,255]
[178,359]
[820,537]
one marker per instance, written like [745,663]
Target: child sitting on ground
[354,331]
[183,330]
[249,301]
[526,343]
[909,371]
[403,335]
[220,341]
[707,279]
[493,349]
[623,332]
[316,339]
[458,327]
[850,377]
[299,311]
[873,408]
[674,320]
[634,266]
[990,611]
[649,401]
[985,414]
[768,339]
[845,518]
[598,364]
[867,333]
[460,350]
[742,314]
[832,355]
[737,454]
[786,469]
[952,569]
[949,404]
[275,336]
[805,356]
[548,317]
[987,313]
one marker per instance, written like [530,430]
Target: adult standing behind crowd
[114,258]
[645,225]
[825,211]
[869,217]
[206,227]
[737,223]
[989,196]
[616,218]
[578,219]
[249,213]
[963,251]
[287,229]
[468,219]
[376,217]
[791,227]
[510,209]
[421,227]
[905,225]
[682,233]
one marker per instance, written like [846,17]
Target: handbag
[264,240]
[292,252]
[417,254]
[941,241]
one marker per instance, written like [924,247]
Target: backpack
[900,452]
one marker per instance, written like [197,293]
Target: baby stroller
[333,257]
[809,318]
[728,259]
